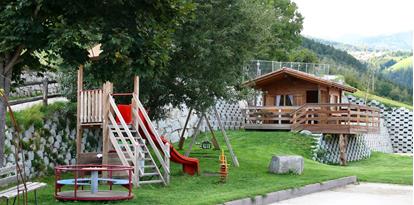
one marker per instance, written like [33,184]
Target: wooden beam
[107,90]
[182,138]
[226,139]
[136,85]
[343,143]
[190,147]
[79,130]
[213,136]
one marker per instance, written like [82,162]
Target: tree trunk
[4,84]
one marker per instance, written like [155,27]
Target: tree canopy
[190,52]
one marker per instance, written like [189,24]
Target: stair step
[120,126]
[150,174]
[151,181]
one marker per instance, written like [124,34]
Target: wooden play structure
[213,136]
[295,100]
[128,136]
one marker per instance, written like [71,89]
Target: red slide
[190,165]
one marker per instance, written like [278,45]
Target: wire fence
[257,68]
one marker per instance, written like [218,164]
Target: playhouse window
[284,100]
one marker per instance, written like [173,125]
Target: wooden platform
[86,195]
[267,126]
[337,118]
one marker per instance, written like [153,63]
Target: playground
[252,178]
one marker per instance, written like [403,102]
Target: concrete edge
[294,192]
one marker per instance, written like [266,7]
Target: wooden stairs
[133,150]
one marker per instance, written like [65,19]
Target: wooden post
[213,136]
[182,139]
[107,90]
[233,156]
[45,91]
[190,147]
[343,143]
[136,85]
[79,130]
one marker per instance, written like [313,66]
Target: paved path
[364,193]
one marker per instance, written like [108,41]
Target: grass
[254,150]
[36,114]
[406,63]
[385,101]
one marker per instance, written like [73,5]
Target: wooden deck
[317,118]
[269,118]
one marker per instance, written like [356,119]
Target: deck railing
[91,106]
[269,117]
[336,118]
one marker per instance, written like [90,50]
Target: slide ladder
[132,150]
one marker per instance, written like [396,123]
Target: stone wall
[398,122]
[51,144]
[171,127]
[34,90]
[327,149]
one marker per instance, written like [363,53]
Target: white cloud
[332,19]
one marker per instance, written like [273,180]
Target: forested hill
[388,83]
[329,52]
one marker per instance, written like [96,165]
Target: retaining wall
[398,122]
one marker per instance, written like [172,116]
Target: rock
[56,144]
[286,164]
[306,132]
[30,155]
[51,140]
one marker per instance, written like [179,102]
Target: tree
[303,55]
[132,33]
[213,47]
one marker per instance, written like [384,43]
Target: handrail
[340,114]
[144,113]
[149,138]
[122,121]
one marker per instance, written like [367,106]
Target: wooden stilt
[213,136]
[233,156]
[342,149]
[196,132]
[182,139]
[79,131]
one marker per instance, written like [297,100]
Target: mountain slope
[392,85]
[401,72]
[397,41]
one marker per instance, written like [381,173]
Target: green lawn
[254,150]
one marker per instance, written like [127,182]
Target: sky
[335,19]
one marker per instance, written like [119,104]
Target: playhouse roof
[267,78]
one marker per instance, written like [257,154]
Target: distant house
[295,100]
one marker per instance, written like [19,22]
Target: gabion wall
[397,121]
[327,149]
[171,127]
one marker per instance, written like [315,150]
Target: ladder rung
[149,166]
[150,174]
[151,181]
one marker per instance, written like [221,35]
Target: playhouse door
[312,96]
